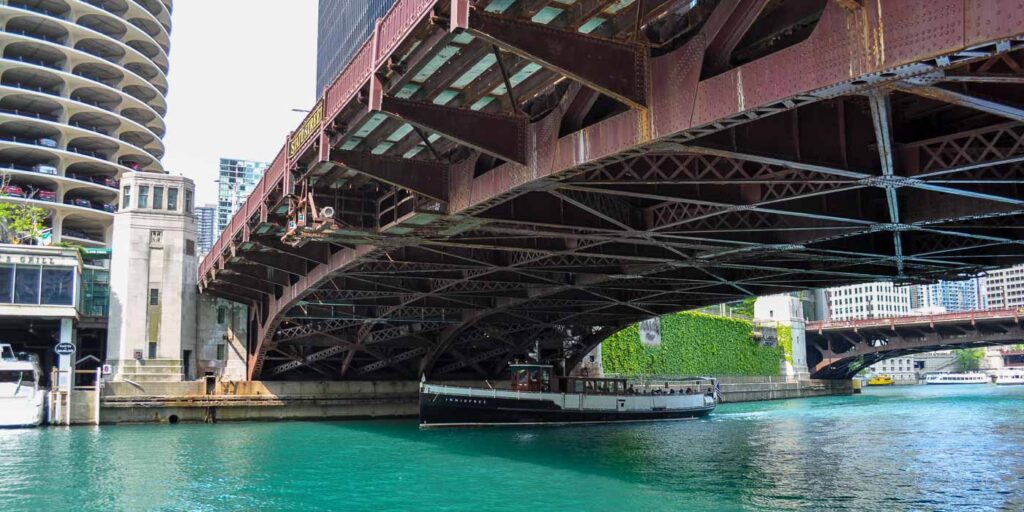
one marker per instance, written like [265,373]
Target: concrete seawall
[768,389]
[124,402]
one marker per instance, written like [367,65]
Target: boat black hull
[435,411]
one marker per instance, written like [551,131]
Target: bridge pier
[785,311]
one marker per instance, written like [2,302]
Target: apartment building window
[127,201]
[158,198]
[143,196]
[172,199]
[188,201]
[154,296]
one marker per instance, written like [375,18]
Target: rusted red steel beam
[845,364]
[964,317]
[845,54]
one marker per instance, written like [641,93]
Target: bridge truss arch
[840,350]
[488,176]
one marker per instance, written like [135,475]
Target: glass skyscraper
[236,181]
[342,27]
[948,296]
[205,231]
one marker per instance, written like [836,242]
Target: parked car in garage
[84,203]
[44,169]
[106,181]
[46,195]
[13,191]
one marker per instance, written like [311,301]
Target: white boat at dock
[1010,377]
[21,399]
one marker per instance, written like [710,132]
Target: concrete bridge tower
[785,310]
[153,280]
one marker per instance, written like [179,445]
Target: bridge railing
[987,314]
[388,34]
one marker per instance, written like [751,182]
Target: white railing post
[99,386]
[67,417]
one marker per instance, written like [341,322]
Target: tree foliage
[969,359]
[691,344]
[21,222]
[745,307]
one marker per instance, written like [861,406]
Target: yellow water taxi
[880,380]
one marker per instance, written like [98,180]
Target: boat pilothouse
[538,397]
[21,399]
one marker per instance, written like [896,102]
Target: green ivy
[785,333]
[691,344]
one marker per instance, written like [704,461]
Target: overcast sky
[238,68]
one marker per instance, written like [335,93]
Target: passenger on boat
[689,391]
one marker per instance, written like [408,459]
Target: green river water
[903,448]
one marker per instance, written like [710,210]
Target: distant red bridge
[841,349]
[486,175]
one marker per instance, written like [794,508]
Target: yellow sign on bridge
[310,127]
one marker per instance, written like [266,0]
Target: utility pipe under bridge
[838,350]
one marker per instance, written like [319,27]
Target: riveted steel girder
[423,177]
[499,135]
[616,68]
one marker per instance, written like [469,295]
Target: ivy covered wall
[785,333]
[691,344]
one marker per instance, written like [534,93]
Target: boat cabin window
[593,386]
[25,377]
[531,378]
[6,352]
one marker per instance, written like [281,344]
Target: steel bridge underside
[839,350]
[486,175]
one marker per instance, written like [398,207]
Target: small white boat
[21,399]
[956,378]
[1009,377]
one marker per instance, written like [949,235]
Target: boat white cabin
[956,378]
[21,399]
[1010,376]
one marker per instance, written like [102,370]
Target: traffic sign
[64,348]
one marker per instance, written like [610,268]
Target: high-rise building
[1005,288]
[869,300]
[236,181]
[82,88]
[947,297]
[206,233]
[82,104]
[342,27]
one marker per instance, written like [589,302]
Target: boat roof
[8,365]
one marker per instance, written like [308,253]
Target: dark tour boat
[538,397]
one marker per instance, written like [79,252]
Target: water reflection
[895,449]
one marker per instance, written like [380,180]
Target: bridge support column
[785,310]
